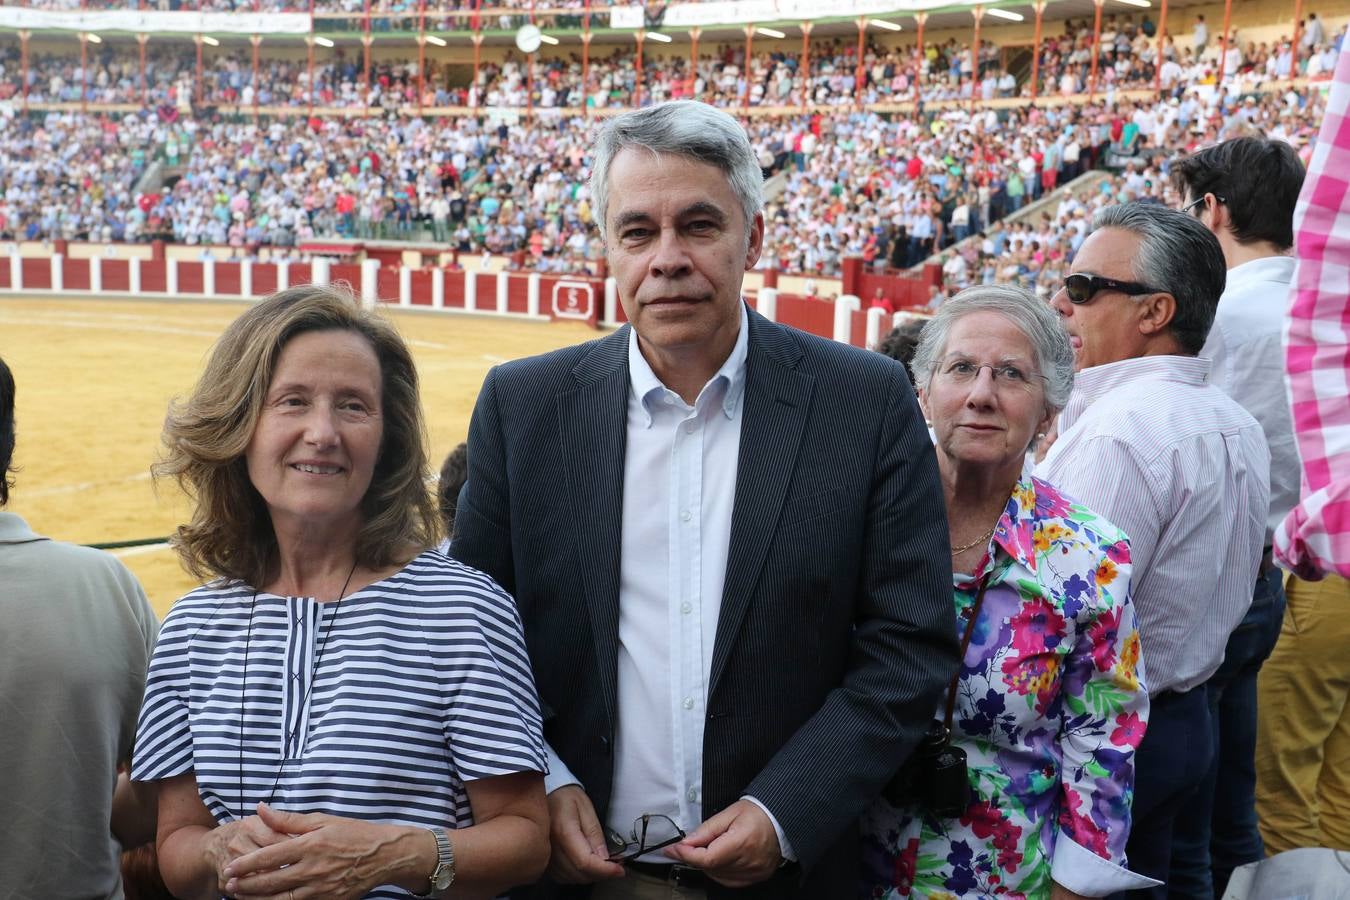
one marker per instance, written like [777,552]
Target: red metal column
[586,60]
[694,34]
[1223,45]
[804,70]
[529,74]
[637,91]
[858,73]
[749,44]
[199,79]
[84,68]
[1162,43]
[1039,7]
[1096,49]
[24,35]
[477,49]
[978,13]
[477,60]
[421,52]
[366,40]
[309,60]
[1298,36]
[141,39]
[922,19]
[586,70]
[256,41]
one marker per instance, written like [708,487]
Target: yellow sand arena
[94,378]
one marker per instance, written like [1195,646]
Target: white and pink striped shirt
[1184,471]
[1315,537]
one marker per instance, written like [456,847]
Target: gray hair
[1178,255]
[685,128]
[1032,316]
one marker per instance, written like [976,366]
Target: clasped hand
[290,856]
[737,847]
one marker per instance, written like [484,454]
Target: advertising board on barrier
[573,300]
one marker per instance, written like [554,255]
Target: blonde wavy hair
[206,435]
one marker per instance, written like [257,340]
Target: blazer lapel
[592,422]
[777,402]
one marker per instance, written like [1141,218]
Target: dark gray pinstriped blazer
[836,632]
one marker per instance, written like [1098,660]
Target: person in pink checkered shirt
[1303,743]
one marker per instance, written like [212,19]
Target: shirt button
[691,428]
[685,515]
[688,702]
[686,607]
[692,795]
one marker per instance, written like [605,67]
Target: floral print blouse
[1049,710]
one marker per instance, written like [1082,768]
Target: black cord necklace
[313,676]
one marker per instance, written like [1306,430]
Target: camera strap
[965,645]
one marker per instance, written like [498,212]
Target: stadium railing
[453,290]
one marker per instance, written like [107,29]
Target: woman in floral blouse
[1048,705]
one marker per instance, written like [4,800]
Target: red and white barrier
[876,316]
[767,303]
[844,308]
[520,295]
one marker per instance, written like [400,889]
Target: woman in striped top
[341,712]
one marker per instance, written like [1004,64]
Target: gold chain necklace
[983,539]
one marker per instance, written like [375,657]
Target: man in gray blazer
[728,545]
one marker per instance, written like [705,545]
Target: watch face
[443,877]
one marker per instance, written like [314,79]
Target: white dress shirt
[1184,471]
[679,487]
[1246,353]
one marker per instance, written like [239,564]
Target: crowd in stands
[1128,56]
[893,189]
[1035,252]
[774,77]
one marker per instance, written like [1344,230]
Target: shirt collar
[647,388]
[14,530]
[1267,268]
[1091,384]
[1015,532]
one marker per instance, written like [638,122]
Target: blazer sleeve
[483,514]
[903,652]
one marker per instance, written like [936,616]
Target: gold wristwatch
[444,874]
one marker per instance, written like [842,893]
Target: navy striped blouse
[423,685]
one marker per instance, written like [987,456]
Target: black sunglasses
[1082,287]
[1194,203]
[651,831]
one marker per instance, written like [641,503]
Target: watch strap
[444,874]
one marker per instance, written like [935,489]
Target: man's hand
[737,847]
[580,854]
[1047,441]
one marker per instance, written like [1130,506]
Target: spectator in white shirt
[1245,191]
[954,270]
[1200,35]
[1178,465]
[1314,35]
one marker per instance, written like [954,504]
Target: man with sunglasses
[1244,191]
[1178,465]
